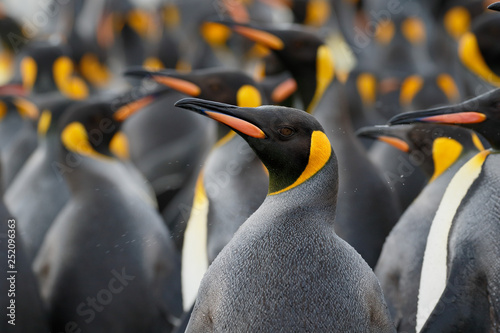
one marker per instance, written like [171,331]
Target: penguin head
[302,52]
[432,147]
[291,143]
[17,106]
[311,12]
[295,46]
[478,49]
[221,85]
[420,92]
[481,114]
[88,128]
[46,67]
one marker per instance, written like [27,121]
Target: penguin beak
[125,109]
[452,115]
[169,79]
[259,35]
[284,90]
[234,117]
[386,134]
[495,6]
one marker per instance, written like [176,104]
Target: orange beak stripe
[183,86]
[284,90]
[127,110]
[237,124]
[262,37]
[395,142]
[457,118]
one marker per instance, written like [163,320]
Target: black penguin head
[479,51]
[309,12]
[481,114]
[432,147]
[19,106]
[420,92]
[221,85]
[295,46]
[290,143]
[302,52]
[88,128]
[47,67]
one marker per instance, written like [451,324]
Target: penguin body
[285,269]
[18,136]
[458,281]
[39,191]
[367,209]
[233,181]
[440,151]
[164,146]
[108,237]
[19,287]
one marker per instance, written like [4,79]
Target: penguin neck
[319,192]
[319,177]
[89,175]
[322,73]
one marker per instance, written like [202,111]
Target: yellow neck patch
[457,21]
[142,22]
[215,34]
[228,137]
[3,109]
[28,72]
[414,30]
[26,109]
[119,146]
[71,86]
[317,12]
[93,71]
[325,72]
[385,32]
[153,64]
[171,16]
[445,152]
[248,97]
[320,153]
[409,89]
[448,86]
[367,88]
[44,122]
[477,142]
[472,58]
[6,67]
[75,138]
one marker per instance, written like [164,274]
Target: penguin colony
[250,166]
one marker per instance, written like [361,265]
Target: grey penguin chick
[285,269]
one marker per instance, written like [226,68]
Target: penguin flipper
[463,306]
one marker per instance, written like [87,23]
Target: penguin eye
[286,132]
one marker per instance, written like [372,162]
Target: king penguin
[458,290]
[367,208]
[285,269]
[233,182]
[108,263]
[39,192]
[440,151]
